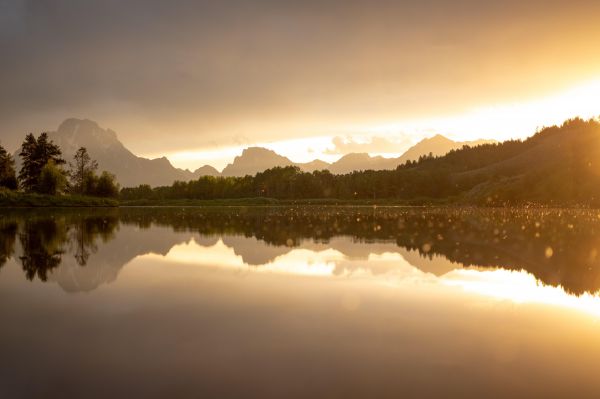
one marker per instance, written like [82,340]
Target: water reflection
[81,250]
[306,302]
[42,243]
[8,233]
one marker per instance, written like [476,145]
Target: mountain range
[104,146]
[257,159]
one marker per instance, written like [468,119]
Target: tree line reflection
[45,240]
[559,247]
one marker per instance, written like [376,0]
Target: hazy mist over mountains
[104,146]
[132,170]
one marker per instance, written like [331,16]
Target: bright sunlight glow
[499,122]
[519,287]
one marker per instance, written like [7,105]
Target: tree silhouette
[8,177]
[82,171]
[35,155]
[106,186]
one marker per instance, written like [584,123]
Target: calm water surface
[303,302]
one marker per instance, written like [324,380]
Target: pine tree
[8,176]
[35,155]
[29,172]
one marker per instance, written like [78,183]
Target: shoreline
[12,200]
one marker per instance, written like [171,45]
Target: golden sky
[199,81]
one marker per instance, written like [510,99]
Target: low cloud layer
[375,144]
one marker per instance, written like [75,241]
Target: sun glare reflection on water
[388,269]
[520,287]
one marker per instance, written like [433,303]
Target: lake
[332,302]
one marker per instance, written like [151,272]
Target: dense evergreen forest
[558,165]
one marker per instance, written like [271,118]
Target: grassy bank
[278,202]
[23,200]
[12,199]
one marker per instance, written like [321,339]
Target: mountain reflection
[83,249]
[86,231]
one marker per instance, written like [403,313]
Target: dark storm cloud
[194,67]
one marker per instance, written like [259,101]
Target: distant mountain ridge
[104,146]
[254,160]
[437,146]
[257,159]
[112,156]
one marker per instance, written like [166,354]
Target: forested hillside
[558,165]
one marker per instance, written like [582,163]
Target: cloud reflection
[520,287]
[387,268]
